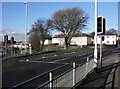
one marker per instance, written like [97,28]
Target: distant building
[48,41]
[118,40]
[12,39]
[81,39]
[6,38]
[9,42]
[118,37]
[78,39]
[20,45]
[109,39]
[59,39]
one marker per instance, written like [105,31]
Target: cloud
[19,36]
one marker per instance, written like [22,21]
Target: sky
[13,15]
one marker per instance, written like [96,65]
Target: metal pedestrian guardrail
[74,73]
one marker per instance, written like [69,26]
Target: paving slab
[110,72]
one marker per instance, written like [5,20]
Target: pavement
[107,77]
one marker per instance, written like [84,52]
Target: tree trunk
[66,43]
[42,45]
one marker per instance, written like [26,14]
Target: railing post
[87,59]
[74,76]
[87,65]
[50,79]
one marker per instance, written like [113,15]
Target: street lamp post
[12,50]
[95,50]
[11,47]
[26,22]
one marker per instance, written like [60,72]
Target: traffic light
[104,26]
[101,25]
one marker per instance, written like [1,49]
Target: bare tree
[34,40]
[38,33]
[69,22]
[112,31]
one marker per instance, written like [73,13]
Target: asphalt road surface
[17,70]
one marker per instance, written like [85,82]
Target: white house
[77,39]
[81,39]
[109,39]
[47,41]
[59,39]
[20,45]
[118,37]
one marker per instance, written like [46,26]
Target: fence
[7,53]
[68,78]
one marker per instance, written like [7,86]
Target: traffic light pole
[100,61]
[100,30]
[95,50]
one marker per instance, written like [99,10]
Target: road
[18,70]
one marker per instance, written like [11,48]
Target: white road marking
[27,59]
[43,57]
[55,55]
[66,53]
[41,62]
[62,59]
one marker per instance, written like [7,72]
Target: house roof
[93,33]
[76,35]
[79,35]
